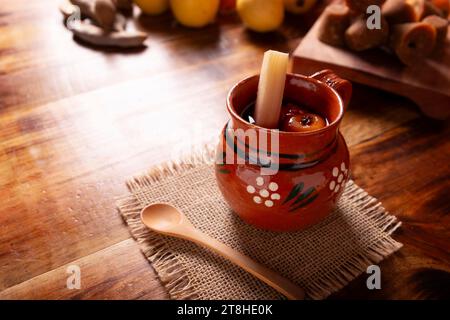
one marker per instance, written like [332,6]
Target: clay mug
[287,181]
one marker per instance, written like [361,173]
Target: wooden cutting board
[427,83]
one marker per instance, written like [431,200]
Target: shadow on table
[111,49]
[318,247]
[165,28]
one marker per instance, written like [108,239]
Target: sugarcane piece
[271,89]
[96,36]
[335,20]
[398,11]
[413,42]
[105,11]
[359,38]
[360,6]
[441,26]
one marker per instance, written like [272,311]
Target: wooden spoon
[168,220]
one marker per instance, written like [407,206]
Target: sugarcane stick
[271,89]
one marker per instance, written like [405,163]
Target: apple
[305,122]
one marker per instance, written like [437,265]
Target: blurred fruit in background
[152,7]
[195,13]
[227,6]
[257,15]
[261,15]
[444,5]
[299,6]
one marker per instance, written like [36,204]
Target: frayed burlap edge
[339,277]
[170,271]
[173,274]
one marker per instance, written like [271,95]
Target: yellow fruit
[299,6]
[152,7]
[195,13]
[261,15]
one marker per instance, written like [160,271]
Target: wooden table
[76,122]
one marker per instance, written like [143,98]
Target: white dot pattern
[259,181]
[275,196]
[273,186]
[339,174]
[332,185]
[268,203]
[264,192]
[335,172]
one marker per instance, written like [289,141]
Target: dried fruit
[424,8]
[441,26]
[398,11]
[413,42]
[360,6]
[359,37]
[336,19]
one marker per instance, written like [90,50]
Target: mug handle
[342,87]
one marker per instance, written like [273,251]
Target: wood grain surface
[77,121]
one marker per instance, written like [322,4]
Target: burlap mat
[321,259]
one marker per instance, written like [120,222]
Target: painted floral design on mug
[299,198]
[303,191]
[265,195]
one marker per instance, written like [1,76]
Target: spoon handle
[271,278]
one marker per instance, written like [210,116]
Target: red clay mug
[297,183]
